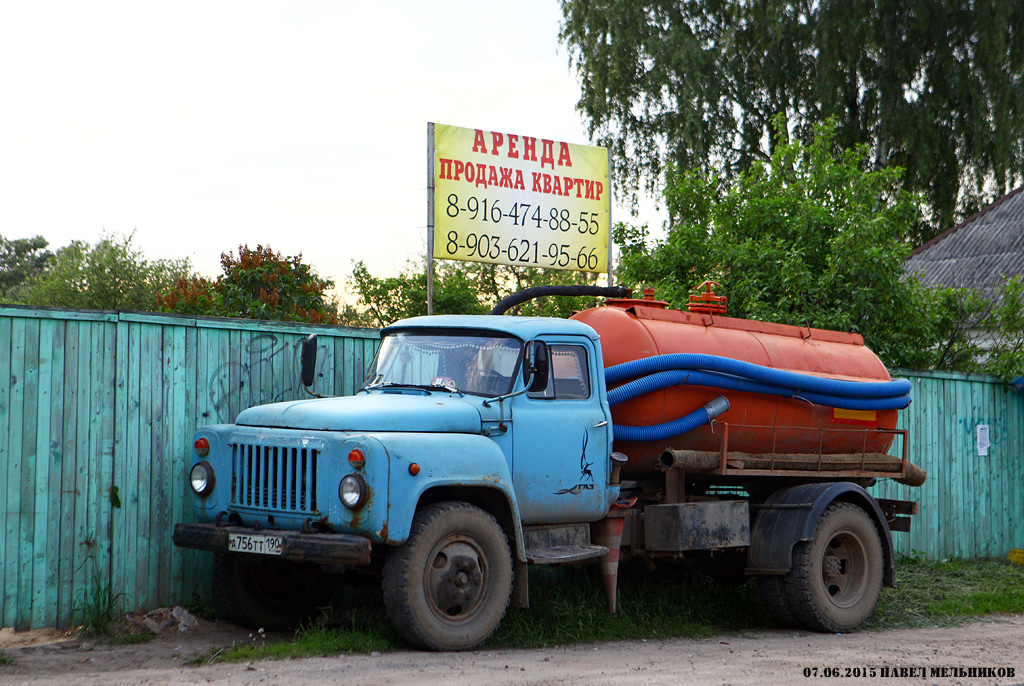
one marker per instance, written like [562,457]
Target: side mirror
[528,364]
[535,369]
[308,360]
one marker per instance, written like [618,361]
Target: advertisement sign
[506,198]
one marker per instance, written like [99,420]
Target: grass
[198,607]
[365,634]
[568,606]
[5,659]
[949,592]
[95,608]
[120,637]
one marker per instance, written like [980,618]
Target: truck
[480,446]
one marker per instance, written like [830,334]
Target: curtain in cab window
[568,379]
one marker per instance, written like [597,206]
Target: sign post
[430,218]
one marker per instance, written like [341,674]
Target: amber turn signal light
[356,458]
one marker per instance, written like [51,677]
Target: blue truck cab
[468,432]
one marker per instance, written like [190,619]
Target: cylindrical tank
[634,329]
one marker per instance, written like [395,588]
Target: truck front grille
[271,477]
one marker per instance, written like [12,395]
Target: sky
[201,126]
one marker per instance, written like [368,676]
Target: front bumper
[327,549]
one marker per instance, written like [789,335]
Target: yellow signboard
[506,198]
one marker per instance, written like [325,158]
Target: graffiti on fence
[266,370]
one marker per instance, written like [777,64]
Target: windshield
[474,364]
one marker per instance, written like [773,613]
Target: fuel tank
[631,329]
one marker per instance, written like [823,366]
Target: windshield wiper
[423,387]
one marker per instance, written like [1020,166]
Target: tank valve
[707,302]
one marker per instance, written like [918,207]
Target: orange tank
[634,329]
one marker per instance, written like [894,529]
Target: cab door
[562,439]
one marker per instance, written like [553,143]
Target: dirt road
[993,648]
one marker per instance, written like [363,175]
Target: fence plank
[126,444]
[8,548]
[35,499]
[26,497]
[86,466]
[49,490]
[174,428]
[104,407]
[72,516]
[1015,478]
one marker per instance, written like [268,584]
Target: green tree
[21,261]
[933,86]
[390,298]
[258,284]
[812,238]
[959,313]
[459,288]
[110,275]
[1005,323]
[982,333]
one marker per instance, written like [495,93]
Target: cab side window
[569,378]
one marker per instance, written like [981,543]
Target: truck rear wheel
[773,594]
[448,586]
[836,579]
[270,594]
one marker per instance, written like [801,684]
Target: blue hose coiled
[659,380]
[662,371]
[755,372]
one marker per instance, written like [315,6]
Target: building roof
[981,253]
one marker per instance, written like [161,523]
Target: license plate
[254,543]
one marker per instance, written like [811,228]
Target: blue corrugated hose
[659,432]
[662,371]
[755,372]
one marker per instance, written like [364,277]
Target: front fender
[450,461]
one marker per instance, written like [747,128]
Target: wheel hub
[456,580]
[833,567]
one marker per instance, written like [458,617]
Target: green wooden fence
[97,412]
[971,506]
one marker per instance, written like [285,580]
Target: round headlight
[352,491]
[201,478]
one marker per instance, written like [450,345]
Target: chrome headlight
[352,491]
[201,478]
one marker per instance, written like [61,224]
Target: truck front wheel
[267,593]
[448,586]
[836,579]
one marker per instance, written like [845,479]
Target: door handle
[600,424]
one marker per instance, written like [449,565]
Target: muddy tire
[836,579]
[773,594]
[269,594]
[448,586]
